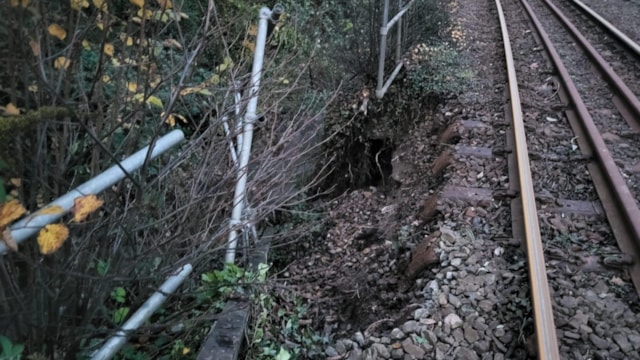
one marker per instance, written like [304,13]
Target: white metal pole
[111,347]
[384,29]
[247,136]
[31,224]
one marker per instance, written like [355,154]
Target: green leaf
[154,100]
[283,354]
[120,314]
[103,267]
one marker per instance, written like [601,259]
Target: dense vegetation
[84,83]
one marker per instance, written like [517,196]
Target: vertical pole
[399,36]
[249,119]
[383,48]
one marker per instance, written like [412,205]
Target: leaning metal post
[31,224]
[250,117]
[111,347]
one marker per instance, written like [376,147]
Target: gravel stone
[470,334]
[397,334]
[485,305]
[572,335]
[410,348]
[397,354]
[453,300]
[410,327]
[358,337]
[635,341]
[481,346]
[331,352]
[464,353]
[377,351]
[356,354]
[453,321]
[599,342]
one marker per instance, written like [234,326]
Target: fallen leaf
[51,238]
[154,100]
[33,88]
[83,206]
[86,44]
[101,4]
[9,240]
[138,3]
[108,49]
[10,211]
[17,182]
[61,63]
[78,4]
[23,3]
[51,210]
[132,86]
[11,109]
[35,47]
[57,31]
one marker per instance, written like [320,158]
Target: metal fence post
[383,48]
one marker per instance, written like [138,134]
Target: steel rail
[631,102]
[620,207]
[540,294]
[622,37]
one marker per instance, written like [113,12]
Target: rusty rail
[620,207]
[540,294]
[630,105]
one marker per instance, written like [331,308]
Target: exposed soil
[394,279]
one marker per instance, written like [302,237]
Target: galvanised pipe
[111,347]
[250,117]
[31,224]
[384,29]
[381,87]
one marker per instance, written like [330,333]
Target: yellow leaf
[10,211]
[101,4]
[165,4]
[61,63]
[9,240]
[132,86]
[145,14]
[35,47]
[186,351]
[252,31]
[51,238]
[23,3]
[11,109]
[86,44]
[249,45]
[57,31]
[17,182]
[171,119]
[129,41]
[172,43]
[138,3]
[108,49]
[106,79]
[154,100]
[85,205]
[51,210]
[78,4]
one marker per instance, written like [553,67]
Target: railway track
[564,132]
